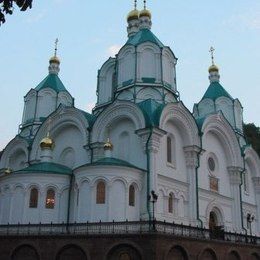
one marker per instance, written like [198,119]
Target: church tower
[41,101]
[143,69]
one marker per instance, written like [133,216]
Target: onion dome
[47,143]
[54,59]
[108,145]
[145,12]
[213,68]
[133,15]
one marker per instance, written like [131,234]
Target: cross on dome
[211,50]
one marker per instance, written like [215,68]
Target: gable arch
[62,118]
[183,119]
[251,157]
[117,111]
[219,126]
[15,145]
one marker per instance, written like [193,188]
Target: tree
[7,7]
[252,134]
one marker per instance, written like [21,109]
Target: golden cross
[144,4]
[56,47]
[135,4]
[211,50]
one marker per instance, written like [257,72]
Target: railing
[126,227]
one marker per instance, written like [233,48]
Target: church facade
[67,165]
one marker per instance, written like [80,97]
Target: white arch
[61,118]
[218,125]
[183,119]
[252,157]
[116,111]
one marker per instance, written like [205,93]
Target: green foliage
[7,7]
[252,134]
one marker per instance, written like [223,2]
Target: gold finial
[211,50]
[145,12]
[213,67]
[144,4]
[135,5]
[55,59]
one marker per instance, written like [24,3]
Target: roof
[215,90]
[113,162]
[46,167]
[52,81]
[144,35]
[90,118]
[152,111]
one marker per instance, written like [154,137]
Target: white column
[153,137]
[235,181]
[191,157]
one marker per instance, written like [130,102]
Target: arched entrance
[25,252]
[233,256]
[208,254]
[124,252]
[71,252]
[215,224]
[177,253]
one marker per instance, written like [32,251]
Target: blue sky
[91,31]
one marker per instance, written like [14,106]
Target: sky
[89,32]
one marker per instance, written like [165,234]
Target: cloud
[113,50]
[36,18]
[244,21]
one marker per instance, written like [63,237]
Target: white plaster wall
[212,144]
[177,169]
[126,65]
[105,82]
[16,194]
[117,180]
[149,93]
[29,106]
[127,145]
[69,147]
[238,110]
[226,106]
[17,160]
[168,69]
[205,107]
[46,104]
[64,99]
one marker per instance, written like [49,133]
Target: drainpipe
[240,191]
[90,147]
[69,198]
[148,172]
[197,180]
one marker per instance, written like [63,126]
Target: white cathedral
[66,165]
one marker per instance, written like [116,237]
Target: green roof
[144,35]
[52,81]
[46,167]
[91,118]
[114,162]
[215,90]
[152,111]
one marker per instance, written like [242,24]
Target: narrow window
[132,196]
[169,149]
[170,203]
[50,199]
[101,193]
[33,198]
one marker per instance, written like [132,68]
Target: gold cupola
[108,145]
[133,15]
[213,68]
[145,12]
[47,142]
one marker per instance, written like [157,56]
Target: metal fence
[126,227]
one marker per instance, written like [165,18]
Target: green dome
[215,90]
[52,81]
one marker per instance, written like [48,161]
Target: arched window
[33,203]
[50,199]
[101,193]
[169,149]
[132,195]
[170,203]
